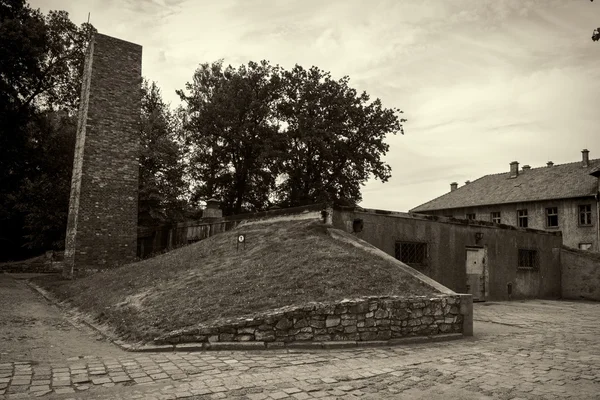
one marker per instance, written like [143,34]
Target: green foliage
[43,197]
[260,135]
[335,138]
[41,61]
[233,138]
[161,184]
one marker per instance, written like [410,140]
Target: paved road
[521,350]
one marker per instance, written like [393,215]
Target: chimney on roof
[549,163]
[453,186]
[526,168]
[467,182]
[585,158]
[514,169]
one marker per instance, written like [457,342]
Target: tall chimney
[526,168]
[549,163]
[514,169]
[585,159]
[453,186]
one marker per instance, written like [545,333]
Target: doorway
[476,273]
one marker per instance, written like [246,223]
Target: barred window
[496,217]
[528,259]
[411,253]
[585,214]
[471,216]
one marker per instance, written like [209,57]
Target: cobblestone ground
[521,350]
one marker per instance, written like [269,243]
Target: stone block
[332,321]
[226,337]
[265,336]
[350,329]
[246,331]
[361,308]
[367,336]
[319,324]
[283,324]
[300,323]
[304,336]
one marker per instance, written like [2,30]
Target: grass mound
[284,263]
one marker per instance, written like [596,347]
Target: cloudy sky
[481,82]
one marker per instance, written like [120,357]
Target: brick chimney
[549,163]
[585,158]
[453,186]
[526,168]
[514,169]
[467,182]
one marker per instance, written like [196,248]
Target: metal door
[476,273]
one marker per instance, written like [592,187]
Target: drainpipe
[598,215]
[596,173]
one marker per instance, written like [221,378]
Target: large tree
[41,59]
[335,138]
[161,184]
[260,135]
[233,137]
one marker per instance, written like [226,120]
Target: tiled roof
[544,183]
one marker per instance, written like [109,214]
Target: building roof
[536,184]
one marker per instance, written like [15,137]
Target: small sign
[241,239]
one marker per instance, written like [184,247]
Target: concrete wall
[102,224]
[568,218]
[447,241]
[580,274]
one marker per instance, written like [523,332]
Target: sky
[481,82]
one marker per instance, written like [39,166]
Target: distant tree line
[254,137]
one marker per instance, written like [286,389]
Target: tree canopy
[260,135]
[41,62]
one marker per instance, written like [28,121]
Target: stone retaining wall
[366,319]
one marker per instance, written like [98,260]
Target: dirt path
[33,330]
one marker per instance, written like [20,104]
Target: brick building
[554,198]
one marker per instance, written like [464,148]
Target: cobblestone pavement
[521,350]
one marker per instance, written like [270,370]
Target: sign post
[241,239]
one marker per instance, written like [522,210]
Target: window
[471,216]
[496,217]
[552,217]
[585,246]
[412,253]
[522,218]
[585,214]
[528,259]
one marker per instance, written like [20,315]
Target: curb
[247,346]
[291,346]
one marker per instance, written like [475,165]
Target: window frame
[548,216]
[533,259]
[469,215]
[586,213]
[523,217]
[415,264]
[499,217]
